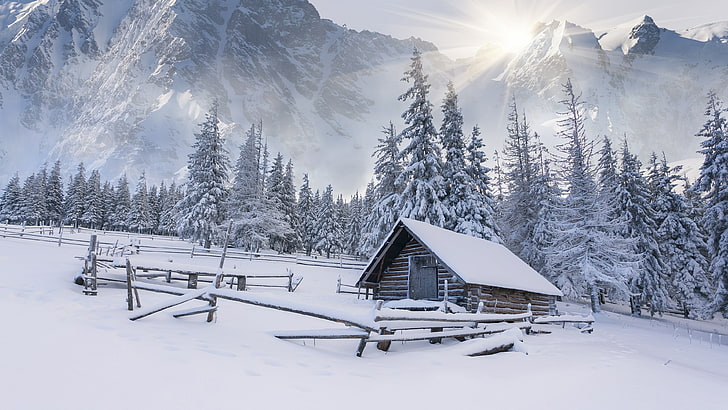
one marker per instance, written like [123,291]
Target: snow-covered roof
[479,261]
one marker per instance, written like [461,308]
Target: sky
[460,27]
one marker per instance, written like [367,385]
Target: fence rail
[140,244]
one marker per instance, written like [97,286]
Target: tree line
[592,219]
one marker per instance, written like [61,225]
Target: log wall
[499,300]
[394,285]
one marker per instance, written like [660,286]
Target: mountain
[123,84]
[639,80]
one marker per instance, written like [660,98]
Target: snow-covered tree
[93,213]
[634,206]
[11,201]
[119,219]
[607,179]
[327,224]
[140,213]
[584,256]
[477,212]
[307,215]
[292,239]
[201,211]
[168,218]
[54,195]
[75,196]
[713,183]
[256,216]
[422,177]
[680,238]
[354,227]
[384,195]
[520,207]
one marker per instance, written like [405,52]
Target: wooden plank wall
[394,283]
[499,300]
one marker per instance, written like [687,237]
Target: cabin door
[422,277]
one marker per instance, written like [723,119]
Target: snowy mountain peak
[643,38]
[717,32]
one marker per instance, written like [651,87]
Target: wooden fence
[128,243]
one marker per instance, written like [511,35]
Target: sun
[513,38]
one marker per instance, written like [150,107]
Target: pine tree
[681,240]
[343,216]
[608,182]
[353,234]
[457,184]
[201,211]
[140,212]
[168,217]
[422,178]
[289,207]
[520,206]
[94,201]
[122,204]
[307,215]
[383,197]
[28,211]
[479,215]
[328,230]
[54,195]
[75,196]
[714,184]
[547,199]
[256,216]
[11,201]
[584,257]
[109,203]
[38,197]
[647,285]
[157,198]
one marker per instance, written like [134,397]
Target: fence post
[192,252]
[290,280]
[129,297]
[338,284]
[225,245]
[60,235]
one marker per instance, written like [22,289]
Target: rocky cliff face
[122,84]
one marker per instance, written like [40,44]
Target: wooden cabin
[417,259]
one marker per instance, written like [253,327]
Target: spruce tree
[94,201]
[681,240]
[353,229]
[75,196]
[122,204]
[140,213]
[384,196]
[457,184]
[648,284]
[307,216]
[11,201]
[328,229]
[54,195]
[422,177]
[29,212]
[584,257]
[520,206]
[477,212]
[714,186]
[202,211]
[256,216]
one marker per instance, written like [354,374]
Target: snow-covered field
[62,349]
